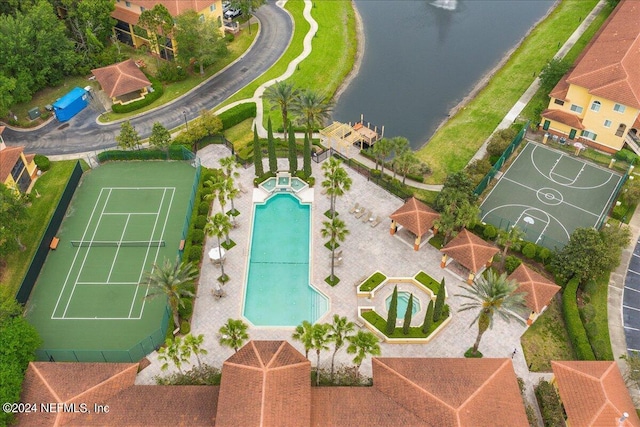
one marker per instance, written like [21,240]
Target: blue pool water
[277,291]
[403,302]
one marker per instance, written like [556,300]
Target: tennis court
[548,194]
[124,218]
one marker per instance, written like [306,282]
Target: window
[619,108]
[17,169]
[212,7]
[595,106]
[558,101]
[621,129]
[607,123]
[127,3]
[201,17]
[588,134]
[576,108]
[142,9]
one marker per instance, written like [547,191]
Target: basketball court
[548,194]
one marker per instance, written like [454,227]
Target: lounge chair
[337,262]
[367,216]
[241,188]
[336,254]
[354,209]
[376,221]
[361,213]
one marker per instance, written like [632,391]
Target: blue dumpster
[70,104]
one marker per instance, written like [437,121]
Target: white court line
[544,221]
[115,257]
[86,255]
[155,259]
[571,181]
[100,318]
[106,283]
[608,204]
[517,205]
[86,229]
[140,188]
[129,213]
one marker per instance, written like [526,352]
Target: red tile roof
[594,393]
[539,290]
[121,78]
[175,7]
[470,250]
[8,158]
[415,216]
[563,117]
[266,383]
[608,67]
[125,15]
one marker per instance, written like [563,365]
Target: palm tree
[492,295]
[229,165]
[214,183]
[173,351]
[381,150]
[339,331]
[282,95]
[233,334]
[509,238]
[312,110]
[219,226]
[400,145]
[337,180]
[362,344]
[406,163]
[319,340]
[336,231]
[231,192]
[174,280]
[193,345]
[304,334]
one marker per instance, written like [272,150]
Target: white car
[232,13]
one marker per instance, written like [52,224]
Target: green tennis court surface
[124,218]
[548,194]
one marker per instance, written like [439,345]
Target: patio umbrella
[216,253]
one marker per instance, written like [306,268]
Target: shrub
[200,222]
[490,232]
[575,328]
[549,403]
[203,208]
[237,114]
[511,263]
[196,236]
[170,72]
[42,162]
[544,254]
[626,155]
[185,327]
[158,90]
[186,310]
[229,37]
[530,250]
[195,253]
[198,375]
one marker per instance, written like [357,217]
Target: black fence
[52,229]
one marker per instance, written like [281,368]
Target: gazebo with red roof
[470,251]
[123,82]
[538,289]
[416,217]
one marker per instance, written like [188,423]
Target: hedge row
[237,114]
[549,403]
[158,90]
[575,327]
[176,152]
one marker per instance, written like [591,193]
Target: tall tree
[406,163]
[304,334]
[552,73]
[381,150]
[172,280]
[207,124]
[457,189]
[306,156]
[194,345]
[198,40]
[336,230]
[160,138]
[400,145]
[293,152]
[312,109]
[282,95]
[271,147]
[362,344]
[337,180]
[339,331]
[231,193]
[493,295]
[456,217]
[158,23]
[257,154]
[13,215]
[439,305]
[319,340]
[219,226]
[407,316]
[90,24]
[233,334]
[128,138]
[511,238]
[428,318]
[392,313]
[247,7]
[230,165]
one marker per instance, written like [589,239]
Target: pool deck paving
[365,250]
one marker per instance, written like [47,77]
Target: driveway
[84,134]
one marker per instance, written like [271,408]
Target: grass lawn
[241,134]
[380,323]
[547,339]
[372,281]
[594,317]
[50,187]
[451,148]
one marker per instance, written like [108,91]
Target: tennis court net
[116,243]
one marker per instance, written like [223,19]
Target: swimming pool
[403,303]
[278,290]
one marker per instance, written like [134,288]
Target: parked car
[232,13]
[225,6]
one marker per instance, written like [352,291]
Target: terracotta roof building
[416,217]
[593,393]
[538,289]
[598,100]
[17,170]
[470,251]
[122,82]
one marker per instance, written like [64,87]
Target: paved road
[83,133]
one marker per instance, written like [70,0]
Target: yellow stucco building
[127,13]
[17,170]
[597,102]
